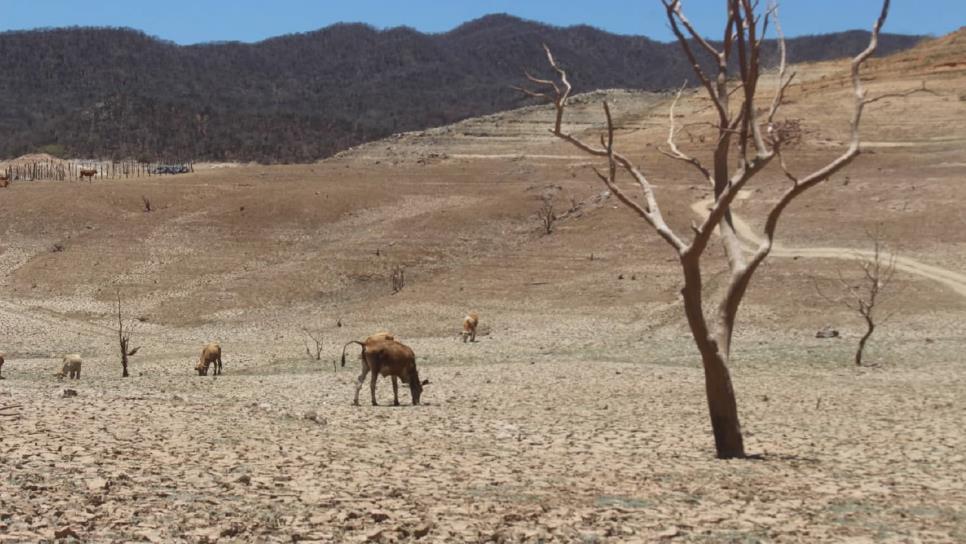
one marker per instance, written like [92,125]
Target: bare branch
[782,85]
[903,94]
[650,211]
[673,150]
[676,6]
[672,7]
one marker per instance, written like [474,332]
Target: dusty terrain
[578,415]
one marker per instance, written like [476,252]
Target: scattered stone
[421,530]
[827,332]
[312,415]
[97,484]
[67,393]
[65,532]
[244,479]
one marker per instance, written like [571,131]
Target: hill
[109,92]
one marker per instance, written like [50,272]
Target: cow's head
[416,386]
[202,367]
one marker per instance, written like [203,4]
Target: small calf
[72,367]
[210,355]
[470,322]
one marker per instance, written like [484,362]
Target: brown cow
[4,180]
[211,354]
[470,322]
[386,357]
[87,173]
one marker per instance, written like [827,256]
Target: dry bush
[546,215]
[398,279]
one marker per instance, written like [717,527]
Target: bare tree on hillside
[546,215]
[398,279]
[748,138]
[317,339]
[124,338]
[863,297]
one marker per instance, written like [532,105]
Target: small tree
[317,338]
[398,279]
[124,337]
[546,215]
[878,269]
[746,141]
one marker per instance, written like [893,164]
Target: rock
[827,332]
[421,530]
[311,415]
[67,393]
[244,479]
[65,532]
[97,484]
[378,516]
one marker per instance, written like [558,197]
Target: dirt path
[953,280]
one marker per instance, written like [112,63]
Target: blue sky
[193,21]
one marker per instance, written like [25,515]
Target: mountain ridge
[113,93]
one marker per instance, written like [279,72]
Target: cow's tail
[347,345]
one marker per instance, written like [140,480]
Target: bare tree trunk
[722,405]
[124,373]
[858,353]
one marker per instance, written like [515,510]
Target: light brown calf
[210,355]
[470,322]
[72,366]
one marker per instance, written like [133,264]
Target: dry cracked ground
[577,416]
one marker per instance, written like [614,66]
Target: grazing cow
[87,173]
[1,364]
[470,322]
[387,358]
[72,366]
[379,337]
[210,355]
[4,180]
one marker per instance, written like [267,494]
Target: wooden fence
[53,170]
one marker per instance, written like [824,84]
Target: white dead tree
[748,139]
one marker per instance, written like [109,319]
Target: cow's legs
[372,384]
[473,336]
[218,365]
[361,380]
[395,391]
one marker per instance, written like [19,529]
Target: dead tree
[746,143]
[398,279]
[124,338]
[316,338]
[547,216]
[878,270]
